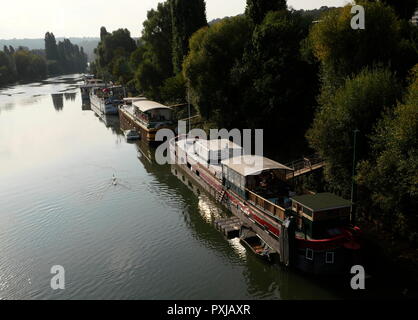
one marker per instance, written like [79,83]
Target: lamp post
[353,182]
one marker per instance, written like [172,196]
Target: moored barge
[108,99]
[146,117]
[311,233]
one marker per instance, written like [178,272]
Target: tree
[112,47]
[30,66]
[357,105]
[154,55]
[389,178]
[404,8]
[103,33]
[158,37]
[257,9]
[213,53]
[343,51]
[188,16]
[51,49]
[277,84]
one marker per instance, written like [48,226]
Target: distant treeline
[64,57]
[22,64]
[89,44]
[305,77]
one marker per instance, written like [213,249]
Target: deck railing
[305,165]
[266,205]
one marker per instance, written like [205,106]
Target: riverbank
[390,258]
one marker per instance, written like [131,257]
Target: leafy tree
[29,66]
[188,16]
[357,105]
[51,48]
[258,9]
[213,53]
[103,33]
[112,47]
[173,91]
[389,178]
[343,51]
[153,59]
[158,37]
[277,84]
[7,67]
[404,8]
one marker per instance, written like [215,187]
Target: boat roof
[248,165]
[322,202]
[148,105]
[218,144]
[133,99]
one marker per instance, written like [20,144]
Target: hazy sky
[31,19]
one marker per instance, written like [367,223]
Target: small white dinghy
[131,135]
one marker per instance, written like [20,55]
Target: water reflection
[70,96]
[86,106]
[126,227]
[58,101]
[264,280]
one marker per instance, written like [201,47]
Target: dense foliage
[64,57]
[188,16]
[257,10]
[214,51]
[389,177]
[21,64]
[305,77]
[24,64]
[357,105]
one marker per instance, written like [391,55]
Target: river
[147,237]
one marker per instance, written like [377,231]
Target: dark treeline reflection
[58,101]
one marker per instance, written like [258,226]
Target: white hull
[105,108]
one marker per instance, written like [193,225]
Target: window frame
[327,261]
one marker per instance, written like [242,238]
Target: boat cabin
[153,114]
[215,151]
[321,216]
[260,181]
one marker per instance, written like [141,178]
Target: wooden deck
[305,166]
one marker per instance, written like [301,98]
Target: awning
[249,165]
[147,105]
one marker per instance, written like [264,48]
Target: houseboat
[108,99]
[89,84]
[146,117]
[315,239]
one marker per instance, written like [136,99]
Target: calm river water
[148,237]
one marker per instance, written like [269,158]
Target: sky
[83,18]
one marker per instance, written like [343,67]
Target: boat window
[198,173]
[309,254]
[308,212]
[330,257]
